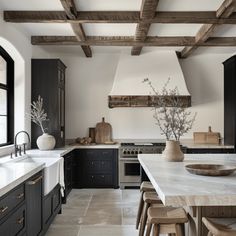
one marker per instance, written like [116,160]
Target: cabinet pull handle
[33,182]
[3,209]
[103,176]
[19,196]
[20,221]
[92,176]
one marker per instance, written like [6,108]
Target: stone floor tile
[62,230]
[108,231]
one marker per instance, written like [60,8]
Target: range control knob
[124,152]
[140,152]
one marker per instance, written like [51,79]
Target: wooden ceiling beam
[71,12]
[130,41]
[148,11]
[197,17]
[224,11]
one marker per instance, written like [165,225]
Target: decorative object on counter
[173,118]
[38,116]
[84,140]
[103,132]
[92,134]
[210,169]
[206,137]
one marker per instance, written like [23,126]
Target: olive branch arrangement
[171,115]
[37,114]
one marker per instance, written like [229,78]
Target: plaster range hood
[128,89]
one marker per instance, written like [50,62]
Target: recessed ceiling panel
[189,5]
[174,29]
[34,5]
[110,29]
[108,5]
[47,29]
[225,31]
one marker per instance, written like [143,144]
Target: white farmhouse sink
[51,170]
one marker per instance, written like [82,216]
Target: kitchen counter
[177,187]
[15,173]
[199,195]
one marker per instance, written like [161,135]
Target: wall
[89,81]
[18,46]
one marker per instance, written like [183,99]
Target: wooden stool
[166,220]
[149,199]
[145,187]
[223,227]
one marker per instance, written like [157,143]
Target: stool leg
[178,230]
[140,209]
[143,219]
[210,234]
[156,230]
[149,228]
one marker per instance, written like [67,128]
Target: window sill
[6,150]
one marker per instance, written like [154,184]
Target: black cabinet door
[34,194]
[48,81]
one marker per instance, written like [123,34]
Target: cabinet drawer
[106,153]
[15,224]
[99,180]
[11,200]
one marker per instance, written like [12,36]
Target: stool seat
[167,215]
[166,220]
[220,226]
[151,198]
[146,186]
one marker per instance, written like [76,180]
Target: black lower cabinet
[210,150]
[34,193]
[51,207]
[97,168]
[15,224]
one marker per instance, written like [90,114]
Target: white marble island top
[15,173]
[177,187]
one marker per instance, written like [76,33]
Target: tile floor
[97,212]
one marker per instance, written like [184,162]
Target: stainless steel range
[129,168]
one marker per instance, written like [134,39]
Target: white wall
[19,47]
[89,81]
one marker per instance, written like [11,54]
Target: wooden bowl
[210,169]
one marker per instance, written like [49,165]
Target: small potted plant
[173,118]
[38,116]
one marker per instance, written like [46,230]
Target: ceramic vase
[46,142]
[172,151]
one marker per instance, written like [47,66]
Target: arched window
[6,98]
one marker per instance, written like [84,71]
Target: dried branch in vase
[171,115]
[37,114]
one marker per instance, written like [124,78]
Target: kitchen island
[199,195]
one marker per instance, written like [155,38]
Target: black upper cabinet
[48,81]
[230,101]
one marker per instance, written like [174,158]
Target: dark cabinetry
[51,207]
[98,168]
[69,170]
[230,101]
[210,150]
[34,193]
[13,212]
[48,81]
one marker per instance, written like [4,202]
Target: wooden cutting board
[103,132]
[206,137]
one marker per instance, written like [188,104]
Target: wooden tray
[210,169]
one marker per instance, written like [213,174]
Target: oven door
[129,171]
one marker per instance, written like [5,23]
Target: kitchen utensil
[206,137]
[103,132]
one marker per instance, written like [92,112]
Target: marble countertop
[15,173]
[177,187]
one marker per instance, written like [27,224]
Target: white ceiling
[115,29]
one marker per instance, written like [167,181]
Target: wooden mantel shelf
[143,101]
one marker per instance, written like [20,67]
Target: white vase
[46,142]
[172,151]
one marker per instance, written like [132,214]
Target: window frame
[9,87]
